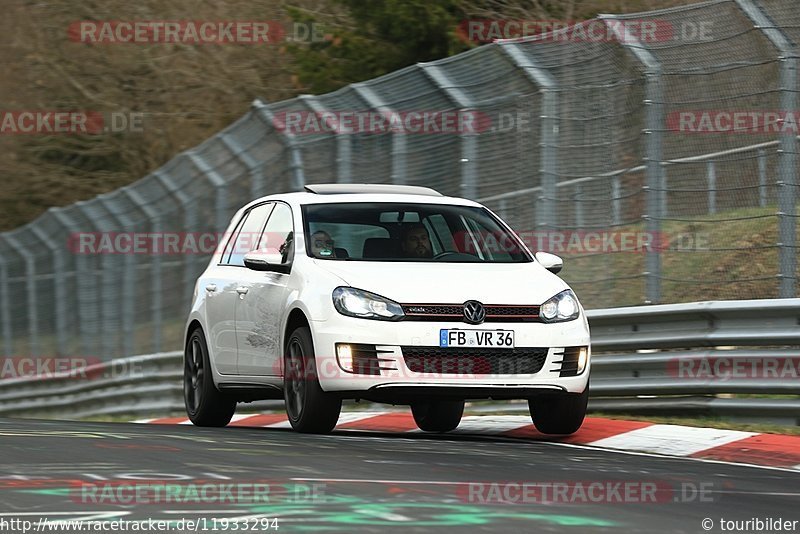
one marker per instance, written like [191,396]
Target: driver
[415,241]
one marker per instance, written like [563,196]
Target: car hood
[450,283]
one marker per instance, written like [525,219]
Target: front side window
[408,232]
[245,239]
[278,237]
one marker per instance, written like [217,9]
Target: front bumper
[399,380]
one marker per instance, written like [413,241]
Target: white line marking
[672,440]
[479,424]
[352,417]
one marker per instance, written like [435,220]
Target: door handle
[211,288]
[242,290]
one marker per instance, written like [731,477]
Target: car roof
[385,196]
[390,189]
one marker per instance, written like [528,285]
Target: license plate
[496,339]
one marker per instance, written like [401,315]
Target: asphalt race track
[370,482]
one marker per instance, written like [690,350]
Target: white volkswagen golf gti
[391,294]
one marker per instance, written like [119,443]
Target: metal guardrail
[662,359]
[638,354]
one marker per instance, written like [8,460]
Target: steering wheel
[447,253]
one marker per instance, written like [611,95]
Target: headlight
[366,305]
[562,307]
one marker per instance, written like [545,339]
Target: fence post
[654,128]
[616,200]
[128,276]
[399,150]
[30,287]
[762,178]
[548,170]
[256,169]
[295,154]
[344,150]
[109,286]
[469,140]
[221,204]
[156,304]
[711,176]
[5,309]
[59,290]
[189,224]
[85,287]
[787,167]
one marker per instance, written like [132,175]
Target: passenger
[322,245]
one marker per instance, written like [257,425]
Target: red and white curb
[731,446]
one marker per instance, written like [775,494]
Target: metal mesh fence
[660,160]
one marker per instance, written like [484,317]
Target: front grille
[495,313]
[451,361]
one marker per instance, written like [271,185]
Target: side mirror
[551,262]
[263,261]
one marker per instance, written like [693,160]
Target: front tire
[438,416]
[559,413]
[205,405]
[310,410]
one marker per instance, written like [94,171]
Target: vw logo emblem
[474,312]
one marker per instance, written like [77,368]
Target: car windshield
[404,232]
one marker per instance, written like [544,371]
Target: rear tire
[438,416]
[310,410]
[559,413]
[205,405]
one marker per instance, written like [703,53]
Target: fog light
[344,355]
[583,358]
